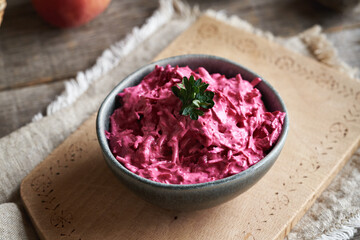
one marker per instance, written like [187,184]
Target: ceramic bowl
[201,195]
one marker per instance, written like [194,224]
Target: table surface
[36,59]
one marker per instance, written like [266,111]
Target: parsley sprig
[193,97]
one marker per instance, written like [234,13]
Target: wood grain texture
[284,18]
[287,18]
[34,53]
[73,194]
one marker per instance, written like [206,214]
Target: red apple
[69,13]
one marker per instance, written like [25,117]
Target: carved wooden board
[73,195]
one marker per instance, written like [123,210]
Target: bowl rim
[100,128]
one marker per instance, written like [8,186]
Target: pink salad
[151,138]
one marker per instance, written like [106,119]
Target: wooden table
[36,58]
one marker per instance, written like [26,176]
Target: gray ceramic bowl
[191,196]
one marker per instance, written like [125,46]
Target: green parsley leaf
[193,97]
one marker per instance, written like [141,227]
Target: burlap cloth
[335,214]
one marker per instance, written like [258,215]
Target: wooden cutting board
[73,195]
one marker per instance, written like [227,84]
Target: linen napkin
[335,215]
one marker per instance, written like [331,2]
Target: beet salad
[184,126]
